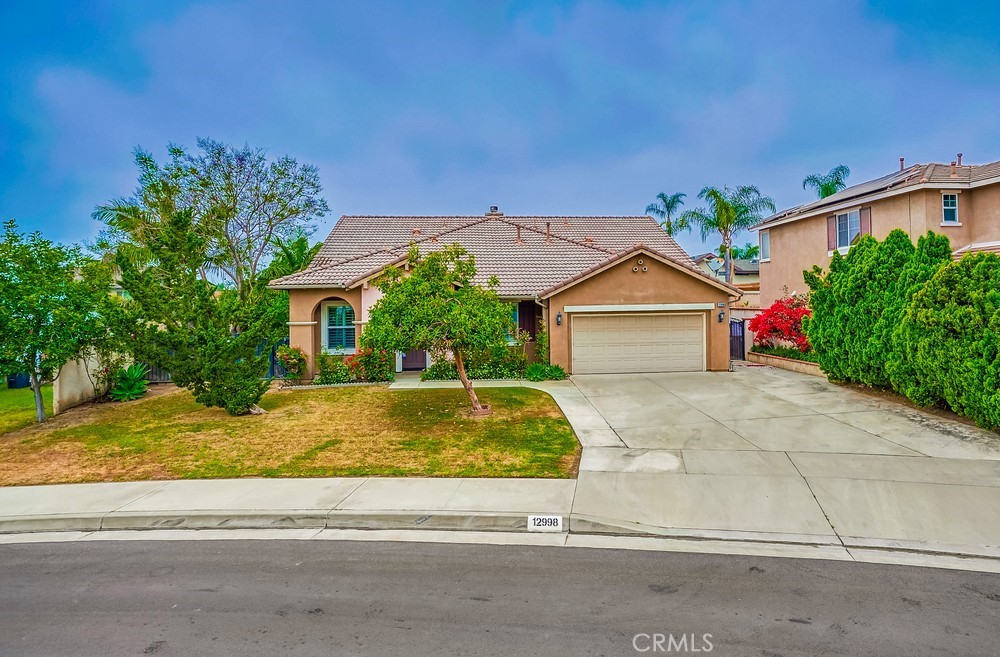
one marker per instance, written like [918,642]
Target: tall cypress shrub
[932,252]
[952,337]
[825,332]
[881,308]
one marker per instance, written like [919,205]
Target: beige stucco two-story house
[958,200]
[614,294]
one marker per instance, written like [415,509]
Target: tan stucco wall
[75,384]
[304,306]
[799,245]
[620,285]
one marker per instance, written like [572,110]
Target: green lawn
[17,407]
[327,432]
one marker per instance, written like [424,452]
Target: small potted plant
[293,360]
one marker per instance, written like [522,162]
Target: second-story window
[848,229]
[765,245]
[949,208]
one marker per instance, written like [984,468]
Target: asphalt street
[365,598]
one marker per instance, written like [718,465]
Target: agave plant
[131,383]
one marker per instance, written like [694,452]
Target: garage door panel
[638,343]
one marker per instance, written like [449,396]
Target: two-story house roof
[958,200]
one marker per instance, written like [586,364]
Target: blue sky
[449,107]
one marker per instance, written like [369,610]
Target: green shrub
[331,369]
[293,360]
[952,335]
[932,252]
[857,306]
[372,365]
[131,383]
[440,369]
[542,345]
[536,372]
[503,362]
[555,373]
[891,315]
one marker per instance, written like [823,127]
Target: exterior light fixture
[558,319]
[722,316]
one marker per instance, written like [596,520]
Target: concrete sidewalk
[341,503]
[760,460]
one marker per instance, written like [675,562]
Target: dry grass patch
[355,431]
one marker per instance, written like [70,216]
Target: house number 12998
[545,523]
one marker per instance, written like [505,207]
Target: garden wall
[801,366]
[74,385]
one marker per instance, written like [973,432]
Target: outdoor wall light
[558,319]
[722,316]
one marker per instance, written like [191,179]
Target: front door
[415,360]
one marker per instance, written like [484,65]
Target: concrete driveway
[777,455]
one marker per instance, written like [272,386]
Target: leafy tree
[665,209]
[242,205]
[206,336]
[52,303]
[196,245]
[728,212]
[440,308]
[829,184]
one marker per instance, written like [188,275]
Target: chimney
[518,240]
[959,159]
[494,211]
[954,172]
[902,164]
[548,231]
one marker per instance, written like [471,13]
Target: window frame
[944,210]
[516,318]
[843,248]
[325,346]
[765,253]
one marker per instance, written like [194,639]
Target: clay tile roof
[620,255]
[359,247]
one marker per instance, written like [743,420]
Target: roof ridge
[552,234]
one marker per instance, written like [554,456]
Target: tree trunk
[728,263]
[36,387]
[477,408]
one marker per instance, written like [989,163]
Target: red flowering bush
[781,324]
[371,365]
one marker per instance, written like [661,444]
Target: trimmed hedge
[911,319]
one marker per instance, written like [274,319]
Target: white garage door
[604,344]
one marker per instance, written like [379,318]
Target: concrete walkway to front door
[768,454]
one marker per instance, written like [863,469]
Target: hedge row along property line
[911,319]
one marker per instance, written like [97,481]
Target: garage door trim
[704,331]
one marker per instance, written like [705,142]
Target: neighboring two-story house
[957,200]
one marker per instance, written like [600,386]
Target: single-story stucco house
[615,294]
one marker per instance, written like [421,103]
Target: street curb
[459,521]
[278,519]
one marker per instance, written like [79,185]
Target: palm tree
[729,211]
[748,251]
[665,208]
[829,184]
